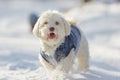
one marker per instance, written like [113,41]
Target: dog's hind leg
[83,63]
[83,56]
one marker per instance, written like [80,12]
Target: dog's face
[51,27]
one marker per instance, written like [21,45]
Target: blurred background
[19,49]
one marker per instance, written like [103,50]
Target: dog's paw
[83,68]
[57,78]
[57,75]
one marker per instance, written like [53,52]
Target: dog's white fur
[41,30]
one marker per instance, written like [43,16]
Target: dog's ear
[36,29]
[67,27]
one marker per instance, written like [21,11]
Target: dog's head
[51,27]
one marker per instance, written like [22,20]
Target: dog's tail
[72,21]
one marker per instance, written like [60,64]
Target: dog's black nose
[52,28]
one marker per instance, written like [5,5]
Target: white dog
[60,44]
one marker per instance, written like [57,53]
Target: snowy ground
[19,49]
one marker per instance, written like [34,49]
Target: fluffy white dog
[60,44]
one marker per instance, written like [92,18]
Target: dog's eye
[57,23]
[45,22]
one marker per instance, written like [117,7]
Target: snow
[19,49]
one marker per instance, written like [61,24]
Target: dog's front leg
[49,68]
[46,65]
[67,63]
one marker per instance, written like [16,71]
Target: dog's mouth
[52,35]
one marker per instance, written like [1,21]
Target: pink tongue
[52,35]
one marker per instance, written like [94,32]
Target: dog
[61,43]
